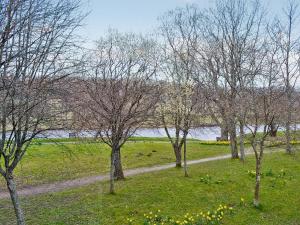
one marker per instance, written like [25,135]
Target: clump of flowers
[276,179]
[156,218]
[242,201]
[269,173]
[280,178]
[214,142]
[129,221]
[278,143]
[208,180]
[295,142]
[282,173]
[252,173]
[202,218]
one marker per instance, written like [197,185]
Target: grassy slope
[175,195]
[44,163]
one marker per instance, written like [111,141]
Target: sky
[139,16]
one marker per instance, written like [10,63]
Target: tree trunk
[234,149]
[258,160]
[288,134]
[233,142]
[224,133]
[112,169]
[184,158]
[242,147]
[256,201]
[15,200]
[118,171]
[273,130]
[177,151]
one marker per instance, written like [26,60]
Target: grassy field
[295,136]
[47,162]
[209,184]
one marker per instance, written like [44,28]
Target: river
[201,133]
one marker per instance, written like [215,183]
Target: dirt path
[59,186]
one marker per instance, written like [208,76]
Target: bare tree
[263,91]
[176,109]
[285,34]
[35,39]
[178,66]
[262,113]
[120,92]
[230,33]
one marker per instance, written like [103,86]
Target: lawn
[60,160]
[295,136]
[175,195]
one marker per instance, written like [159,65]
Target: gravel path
[59,186]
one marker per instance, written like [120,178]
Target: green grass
[89,139]
[295,135]
[175,195]
[46,163]
[98,140]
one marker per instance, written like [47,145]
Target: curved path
[59,186]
